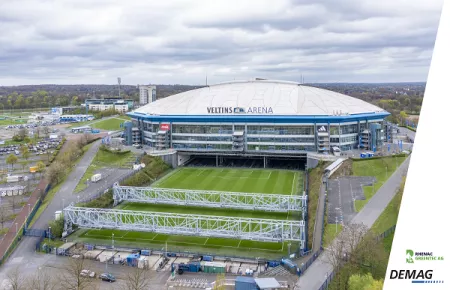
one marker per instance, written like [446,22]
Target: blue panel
[259,118]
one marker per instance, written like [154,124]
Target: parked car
[87,273]
[107,277]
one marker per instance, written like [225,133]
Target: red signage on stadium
[164,127]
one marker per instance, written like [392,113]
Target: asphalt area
[342,193]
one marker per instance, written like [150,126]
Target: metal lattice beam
[217,199]
[186,224]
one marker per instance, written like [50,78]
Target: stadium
[262,119]
[238,153]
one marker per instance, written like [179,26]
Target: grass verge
[101,160]
[380,168]
[330,233]
[314,181]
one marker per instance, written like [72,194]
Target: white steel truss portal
[186,224]
[217,199]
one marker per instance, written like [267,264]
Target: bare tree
[42,280]
[138,279]
[71,278]
[46,131]
[15,279]
[14,199]
[5,212]
[356,248]
[37,131]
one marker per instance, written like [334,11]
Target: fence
[21,231]
[332,274]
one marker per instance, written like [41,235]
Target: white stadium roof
[283,98]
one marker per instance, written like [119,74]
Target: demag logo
[417,276]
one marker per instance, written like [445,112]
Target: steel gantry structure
[186,224]
[206,198]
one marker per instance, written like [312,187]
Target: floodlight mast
[119,81]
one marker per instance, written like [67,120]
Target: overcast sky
[182,41]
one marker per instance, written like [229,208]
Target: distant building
[120,105]
[75,118]
[147,94]
[42,117]
[63,110]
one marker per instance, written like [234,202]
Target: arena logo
[239,110]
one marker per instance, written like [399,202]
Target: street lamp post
[336,224]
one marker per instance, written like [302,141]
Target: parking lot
[342,193]
[20,175]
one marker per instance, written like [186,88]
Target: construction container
[146,252]
[33,169]
[273,263]
[208,258]
[245,283]
[132,260]
[88,247]
[194,267]
[213,267]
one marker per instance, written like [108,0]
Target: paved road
[316,274]
[65,194]
[28,244]
[407,132]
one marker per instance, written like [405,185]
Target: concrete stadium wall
[183,158]
[311,162]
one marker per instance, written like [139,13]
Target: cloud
[84,41]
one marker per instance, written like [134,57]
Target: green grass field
[235,180]
[111,124]
[209,211]
[203,245]
[101,160]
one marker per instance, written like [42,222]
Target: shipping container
[132,260]
[245,283]
[208,258]
[145,252]
[273,263]
[213,267]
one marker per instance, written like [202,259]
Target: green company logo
[412,256]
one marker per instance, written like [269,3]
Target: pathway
[316,274]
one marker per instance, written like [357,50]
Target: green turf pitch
[209,211]
[235,180]
[202,245]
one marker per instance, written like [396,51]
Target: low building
[75,118]
[120,105]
